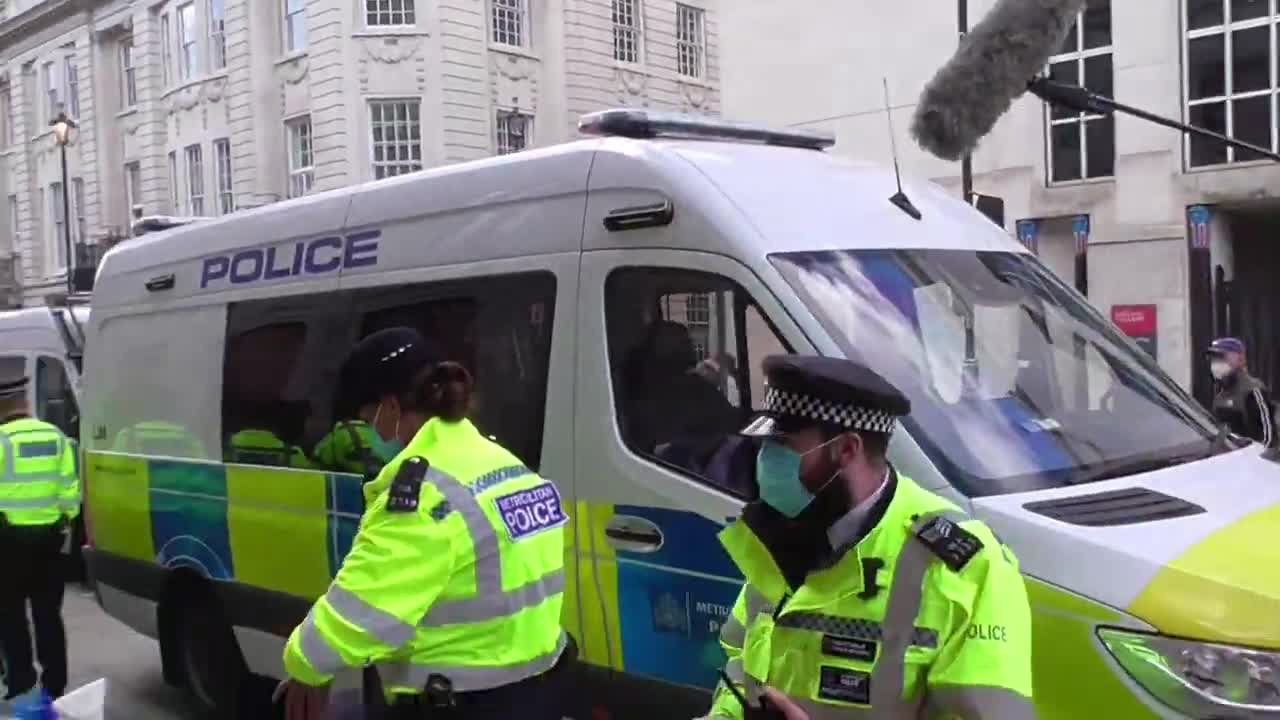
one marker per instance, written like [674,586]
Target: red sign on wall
[1139,323]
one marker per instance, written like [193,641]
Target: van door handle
[633,534]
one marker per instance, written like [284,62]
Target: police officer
[39,497]
[1241,402]
[864,592]
[454,584]
[379,369]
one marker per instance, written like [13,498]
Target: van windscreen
[1016,382]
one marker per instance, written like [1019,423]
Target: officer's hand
[790,710]
[302,701]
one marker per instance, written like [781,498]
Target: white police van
[614,298]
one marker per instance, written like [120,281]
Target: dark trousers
[32,573]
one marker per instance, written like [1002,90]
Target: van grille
[1115,507]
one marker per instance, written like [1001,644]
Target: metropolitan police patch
[529,512]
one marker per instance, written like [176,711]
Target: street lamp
[62,127]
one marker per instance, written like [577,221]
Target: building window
[691,41]
[78,209]
[295,25]
[389,13]
[509,22]
[71,75]
[51,90]
[1083,145]
[166,50]
[187,58]
[1231,88]
[222,166]
[217,34]
[13,221]
[173,183]
[512,130]
[626,30]
[302,172]
[6,109]
[128,75]
[133,189]
[57,212]
[195,180]
[395,137]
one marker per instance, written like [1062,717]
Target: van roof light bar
[648,124]
[156,223]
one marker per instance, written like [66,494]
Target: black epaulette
[407,485]
[954,545]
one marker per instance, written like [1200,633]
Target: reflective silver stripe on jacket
[6,449]
[317,651]
[979,702]
[468,679]
[382,625]
[490,601]
[36,503]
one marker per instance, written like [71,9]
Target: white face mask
[1220,369]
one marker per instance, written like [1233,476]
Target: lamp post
[62,127]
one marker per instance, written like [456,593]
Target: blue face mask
[778,475]
[385,450]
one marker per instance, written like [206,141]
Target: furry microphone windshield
[990,69]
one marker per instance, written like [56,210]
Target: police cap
[385,362]
[1224,345]
[807,390]
[13,387]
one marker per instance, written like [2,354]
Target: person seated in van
[258,440]
[158,438]
[378,370]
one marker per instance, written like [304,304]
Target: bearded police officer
[865,595]
[454,585]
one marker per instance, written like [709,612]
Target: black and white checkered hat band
[783,402]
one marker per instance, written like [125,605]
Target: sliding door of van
[671,344]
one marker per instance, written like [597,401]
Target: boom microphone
[990,69]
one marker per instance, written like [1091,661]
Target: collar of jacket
[432,433]
[777,555]
[15,417]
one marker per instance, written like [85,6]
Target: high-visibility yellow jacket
[263,447]
[935,640]
[38,483]
[457,570]
[158,438]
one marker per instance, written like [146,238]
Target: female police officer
[454,584]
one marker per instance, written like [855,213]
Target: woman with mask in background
[379,369]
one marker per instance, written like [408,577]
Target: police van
[614,297]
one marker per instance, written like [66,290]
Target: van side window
[12,367]
[685,349]
[282,390]
[55,400]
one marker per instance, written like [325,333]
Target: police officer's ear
[847,447]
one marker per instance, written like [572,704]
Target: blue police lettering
[314,257]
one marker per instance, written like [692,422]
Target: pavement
[99,646]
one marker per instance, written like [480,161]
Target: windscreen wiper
[1136,467]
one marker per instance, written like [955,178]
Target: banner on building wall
[1139,323]
[1029,233]
[1080,230]
[1198,216]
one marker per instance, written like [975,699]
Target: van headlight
[1199,679]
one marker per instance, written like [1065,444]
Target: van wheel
[212,666]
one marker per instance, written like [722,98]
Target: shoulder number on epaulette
[407,485]
[954,545]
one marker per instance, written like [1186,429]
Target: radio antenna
[899,199]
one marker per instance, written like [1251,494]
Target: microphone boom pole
[966,162]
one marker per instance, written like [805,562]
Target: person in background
[1242,402]
[39,500]
[454,585]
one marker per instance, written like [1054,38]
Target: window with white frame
[128,74]
[78,210]
[188,60]
[302,171]
[1082,145]
[51,82]
[626,30]
[6,109]
[132,188]
[71,76]
[691,40]
[217,34]
[389,13]
[512,130]
[173,183]
[510,22]
[395,137]
[195,180]
[13,219]
[166,50]
[294,22]
[1231,82]
[222,169]
[58,223]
